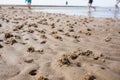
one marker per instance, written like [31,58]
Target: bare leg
[94,8]
[89,6]
[116,5]
[29,6]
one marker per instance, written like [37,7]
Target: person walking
[90,5]
[66,3]
[28,3]
[116,5]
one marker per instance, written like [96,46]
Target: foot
[116,6]
[94,8]
[89,11]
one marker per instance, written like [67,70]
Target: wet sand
[100,12]
[44,46]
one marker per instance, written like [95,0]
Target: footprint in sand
[33,25]
[17,37]
[11,56]
[57,37]
[41,31]
[67,34]
[40,77]
[60,30]
[7,71]
[7,21]
[71,30]
[28,60]
[30,49]
[10,41]
[76,36]
[88,34]
[0,25]
[89,29]
[58,20]
[30,31]
[1,46]
[70,25]
[8,35]
[76,40]
[108,39]
[27,73]
[80,31]
[12,7]
[43,36]
[89,76]
[43,42]
[17,27]
[52,25]
[43,22]
[1,40]
[53,32]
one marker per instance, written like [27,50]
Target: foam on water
[81,11]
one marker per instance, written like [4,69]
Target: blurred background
[100,3]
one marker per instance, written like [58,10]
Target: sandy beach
[48,46]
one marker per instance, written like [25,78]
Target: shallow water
[103,12]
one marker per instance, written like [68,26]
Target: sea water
[101,12]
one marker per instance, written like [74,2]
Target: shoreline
[4,5]
[102,12]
